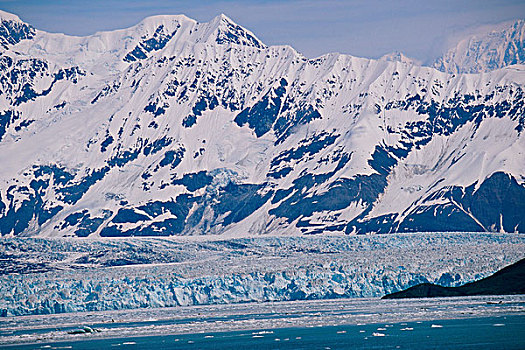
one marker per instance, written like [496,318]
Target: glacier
[47,276]
[175,127]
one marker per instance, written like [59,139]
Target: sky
[421,29]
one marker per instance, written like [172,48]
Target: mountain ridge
[167,134]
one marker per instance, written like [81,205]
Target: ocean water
[506,332]
[490,322]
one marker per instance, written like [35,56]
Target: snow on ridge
[4,15]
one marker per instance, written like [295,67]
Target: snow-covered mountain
[397,56]
[490,49]
[174,127]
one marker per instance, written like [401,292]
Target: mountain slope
[503,46]
[178,127]
[507,281]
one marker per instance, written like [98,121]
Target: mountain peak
[223,17]
[13,30]
[7,16]
[491,48]
[224,30]
[398,56]
[162,19]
